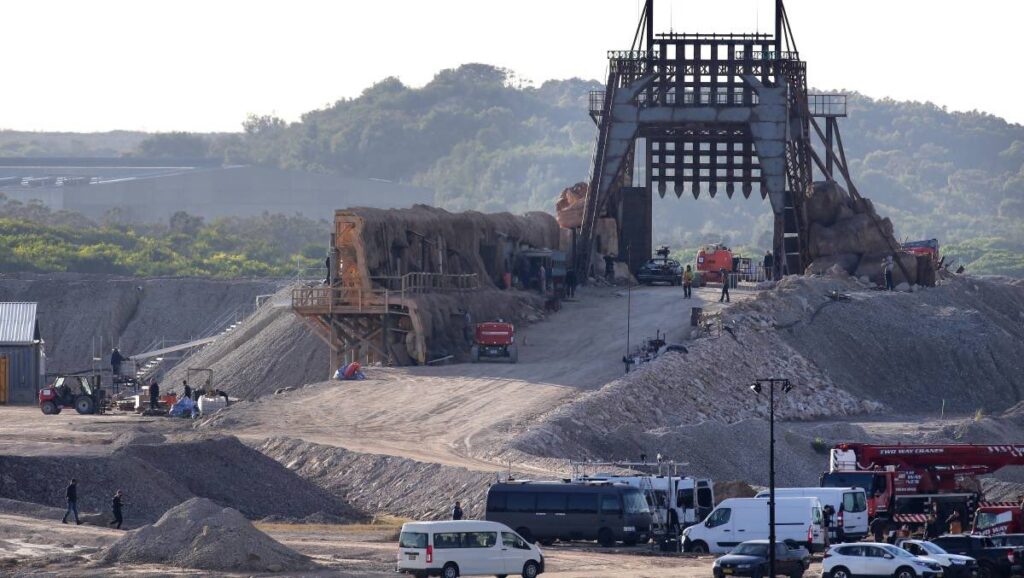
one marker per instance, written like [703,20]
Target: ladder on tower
[592,202]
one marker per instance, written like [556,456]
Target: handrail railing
[386,290]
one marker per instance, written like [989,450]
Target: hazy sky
[158,65]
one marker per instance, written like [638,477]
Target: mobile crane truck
[906,482]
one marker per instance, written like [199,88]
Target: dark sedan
[751,559]
[660,271]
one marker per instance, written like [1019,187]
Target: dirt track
[457,414]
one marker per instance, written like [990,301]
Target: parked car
[737,520]
[660,271]
[994,561]
[751,559]
[953,565]
[874,559]
[850,521]
[549,511]
[466,548]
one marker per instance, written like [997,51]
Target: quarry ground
[32,547]
[409,441]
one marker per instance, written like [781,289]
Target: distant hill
[482,142]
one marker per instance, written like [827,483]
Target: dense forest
[483,142]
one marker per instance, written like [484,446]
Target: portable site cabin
[22,360]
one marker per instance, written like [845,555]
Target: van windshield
[635,503]
[412,540]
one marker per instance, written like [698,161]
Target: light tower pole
[786,387]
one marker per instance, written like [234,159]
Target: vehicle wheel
[450,570]
[904,573]
[49,408]
[840,572]
[85,405]
[531,569]
[985,571]
[513,353]
[605,538]
[526,534]
[699,547]
[474,354]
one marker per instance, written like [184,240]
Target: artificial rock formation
[849,233]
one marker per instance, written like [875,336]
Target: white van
[738,520]
[850,521]
[466,548]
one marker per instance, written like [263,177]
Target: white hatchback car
[466,548]
[873,559]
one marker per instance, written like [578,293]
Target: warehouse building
[22,359]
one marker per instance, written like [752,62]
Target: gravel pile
[878,351]
[271,349]
[79,312]
[202,535]
[379,483]
[158,477]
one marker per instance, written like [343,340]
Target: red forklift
[494,339]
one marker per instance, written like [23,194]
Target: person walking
[955,526]
[879,527]
[154,395]
[71,494]
[115,507]
[769,265]
[887,267]
[688,283]
[188,390]
[457,511]
[826,523]
[570,283]
[609,268]
[542,279]
[116,359]
[725,286]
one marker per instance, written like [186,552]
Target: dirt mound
[378,483]
[962,342]
[271,349]
[200,534]
[83,314]
[157,477]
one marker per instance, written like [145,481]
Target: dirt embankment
[157,477]
[80,315]
[379,483]
[875,352]
[271,349]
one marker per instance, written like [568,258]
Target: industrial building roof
[18,323]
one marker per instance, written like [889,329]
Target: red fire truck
[907,482]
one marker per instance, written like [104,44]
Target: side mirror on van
[888,556]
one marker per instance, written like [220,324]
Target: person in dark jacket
[879,527]
[188,390]
[116,359]
[769,265]
[71,493]
[115,507]
[826,522]
[570,283]
[154,395]
[725,285]
[457,511]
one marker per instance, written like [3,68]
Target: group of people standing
[71,495]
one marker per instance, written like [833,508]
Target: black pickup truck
[993,561]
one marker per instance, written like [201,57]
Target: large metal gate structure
[714,113]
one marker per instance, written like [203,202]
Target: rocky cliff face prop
[848,233]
